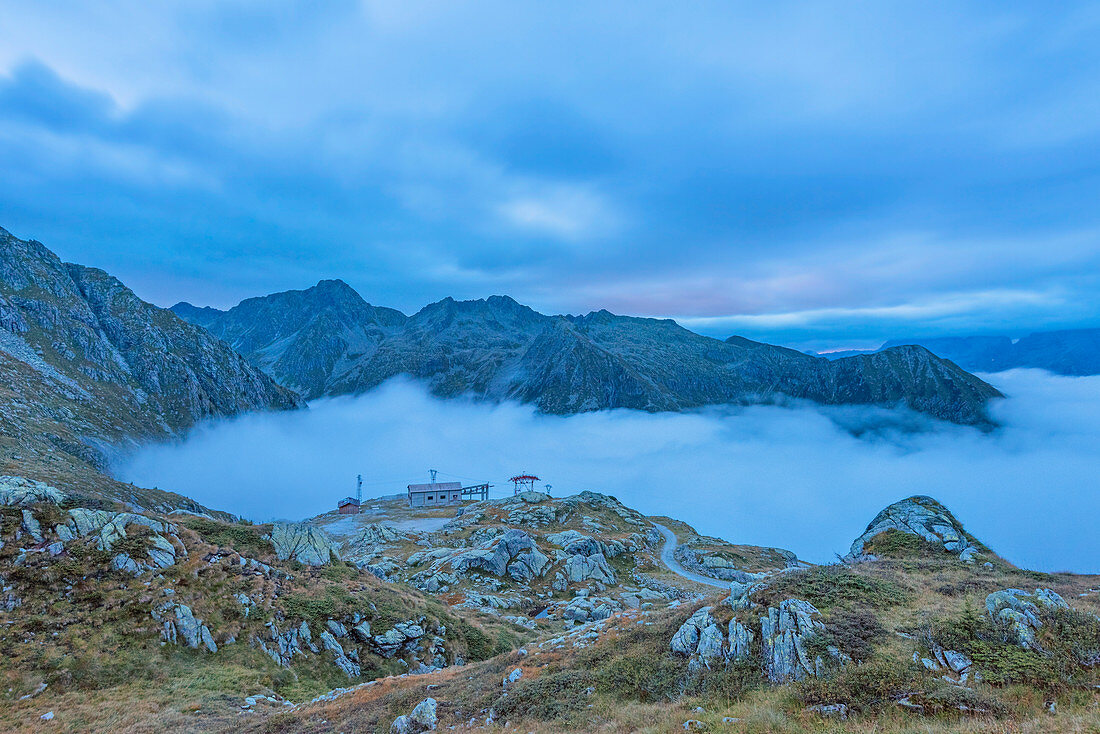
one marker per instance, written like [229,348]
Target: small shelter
[348,506]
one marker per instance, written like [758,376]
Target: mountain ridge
[498,349]
[1073,352]
[90,370]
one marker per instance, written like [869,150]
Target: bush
[480,646]
[1070,639]
[1002,663]
[245,539]
[331,602]
[643,677]
[554,697]
[832,586]
[894,543]
[135,543]
[864,686]
[729,682]
[854,631]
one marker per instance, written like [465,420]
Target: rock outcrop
[422,718]
[303,543]
[784,632]
[1019,613]
[514,554]
[180,626]
[924,518]
[22,492]
[701,639]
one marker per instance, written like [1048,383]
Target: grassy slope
[87,632]
[640,686]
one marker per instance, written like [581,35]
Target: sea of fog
[806,479]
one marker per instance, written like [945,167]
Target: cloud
[793,478]
[718,160]
[570,214]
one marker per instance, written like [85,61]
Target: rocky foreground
[526,613]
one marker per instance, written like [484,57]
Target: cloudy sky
[812,174]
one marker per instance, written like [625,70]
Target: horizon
[702,332]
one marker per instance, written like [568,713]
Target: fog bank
[792,478]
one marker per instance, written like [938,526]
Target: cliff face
[89,367]
[327,341]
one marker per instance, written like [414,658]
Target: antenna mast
[433,472]
[359,489]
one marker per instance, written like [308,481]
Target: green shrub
[1070,641]
[479,646]
[247,540]
[728,683]
[554,697]
[331,602]
[894,543]
[864,686]
[854,631]
[1002,663]
[135,543]
[643,677]
[832,586]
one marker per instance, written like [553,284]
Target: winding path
[668,557]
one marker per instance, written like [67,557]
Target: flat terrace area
[391,510]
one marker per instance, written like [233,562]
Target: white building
[436,494]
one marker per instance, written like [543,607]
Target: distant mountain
[87,367]
[196,315]
[327,340]
[1069,352]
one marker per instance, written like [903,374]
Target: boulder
[31,527]
[921,516]
[588,609]
[1019,612]
[686,639]
[831,710]
[740,641]
[405,635]
[303,543]
[23,492]
[163,546]
[361,632]
[594,567]
[424,715]
[285,645]
[514,554]
[512,677]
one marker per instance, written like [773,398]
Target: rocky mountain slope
[1068,352]
[327,341]
[526,613]
[922,636]
[87,368]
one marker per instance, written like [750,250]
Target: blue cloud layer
[795,172]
